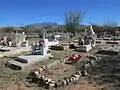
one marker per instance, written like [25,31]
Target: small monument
[18,39]
[86,41]
[41,48]
[52,41]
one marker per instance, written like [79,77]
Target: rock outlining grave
[45,82]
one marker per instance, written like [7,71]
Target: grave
[75,41]
[84,48]
[60,47]
[39,52]
[13,44]
[99,40]
[111,50]
[87,41]
[71,45]
[60,74]
[18,40]
[117,37]
[52,41]
[112,42]
[13,41]
[107,38]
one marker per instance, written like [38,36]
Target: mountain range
[52,24]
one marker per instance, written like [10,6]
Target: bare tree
[109,24]
[72,21]
[110,27]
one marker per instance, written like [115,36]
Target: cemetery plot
[60,47]
[107,38]
[52,42]
[40,51]
[71,45]
[23,62]
[99,40]
[13,40]
[59,71]
[61,74]
[84,48]
[6,49]
[111,50]
[113,42]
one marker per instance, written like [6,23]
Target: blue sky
[23,12]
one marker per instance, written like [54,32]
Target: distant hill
[52,24]
[83,26]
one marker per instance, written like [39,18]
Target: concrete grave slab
[107,38]
[99,40]
[40,51]
[60,47]
[112,42]
[9,51]
[23,62]
[52,42]
[84,48]
[71,45]
[3,49]
[110,50]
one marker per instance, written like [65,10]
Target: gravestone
[40,51]
[18,38]
[42,46]
[87,41]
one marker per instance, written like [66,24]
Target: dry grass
[105,73]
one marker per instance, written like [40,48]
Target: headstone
[87,40]
[40,52]
[18,38]
[42,44]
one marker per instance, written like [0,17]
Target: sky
[24,12]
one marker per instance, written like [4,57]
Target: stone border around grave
[49,83]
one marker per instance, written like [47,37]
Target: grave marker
[40,52]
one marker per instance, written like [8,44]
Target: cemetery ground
[105,74]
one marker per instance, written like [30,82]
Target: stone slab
[75,41]
[60,47]
[23,62]
[110,50]
[3,49]
[9,51]
[107,38]
[51,43]
[84,48]
[71,45]
[33,58]
[98,40]
[112,42]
